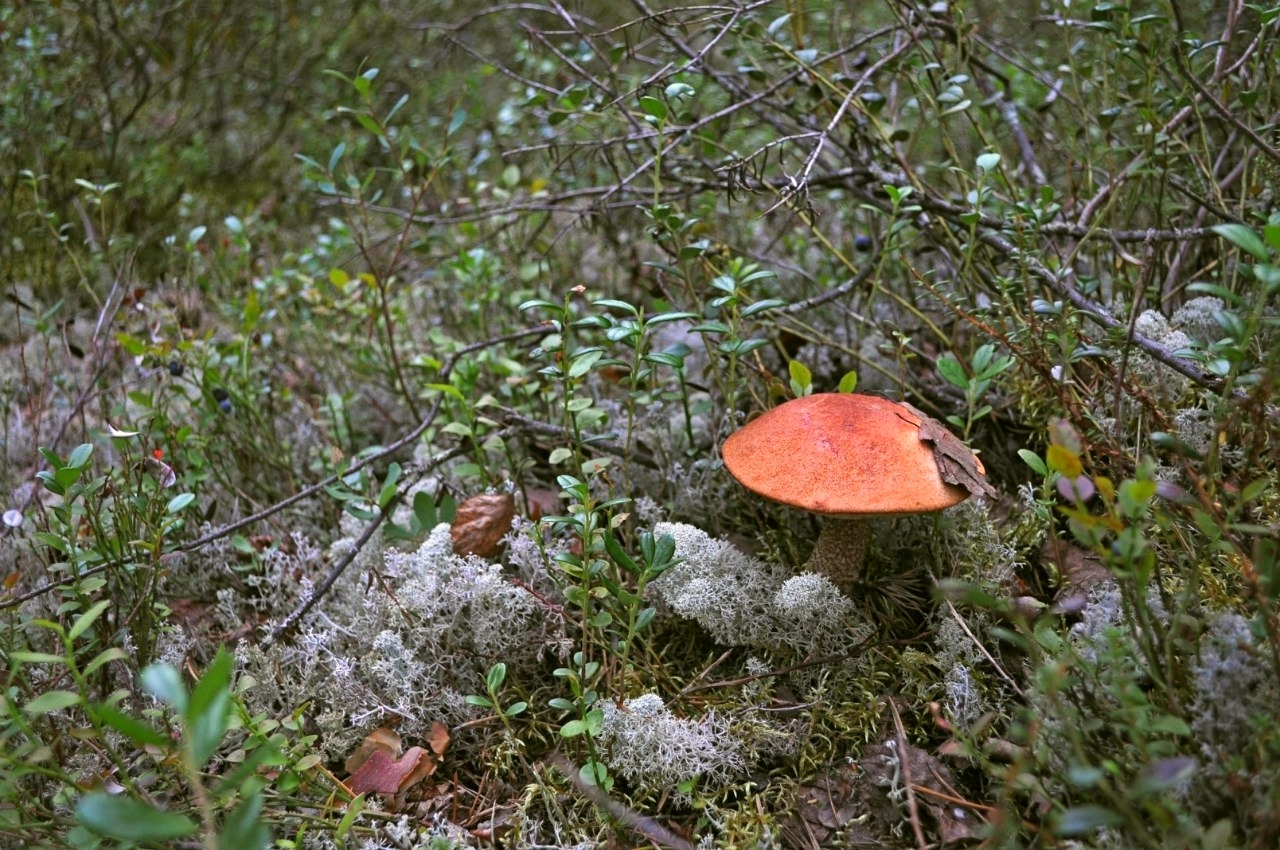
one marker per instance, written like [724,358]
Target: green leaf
[762,306]
[178,502]
[619,555]
[800,373]
[128,819]
[583,362]
[133,728]
[1033,460]
[336,156]
[952,371]
[354,808]
[988,161]
[476,699]
[85,620]
[49,539]
[1243,238]
[448,389]
[455,123]
[595,774]
[1082,820]
[849,382]
[22,657]
[51,701]
[372,126]
[644,618]
[573,729]
[665,358]
[496,676]
[388,492]
[114,653]
[164,682]
[1253,490]
[243,829]
[80,455]
[654,108]
[209,711]
[615,304]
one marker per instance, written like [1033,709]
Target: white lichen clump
[400,834]
[409,650]
[1235,688]
[960,656]
[742,601]
[1101,632]
[1198,319]
[651,747]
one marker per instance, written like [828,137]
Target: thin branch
[904,759]
[631,819]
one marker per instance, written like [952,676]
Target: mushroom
[850,458]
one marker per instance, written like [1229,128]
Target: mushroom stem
[841,549]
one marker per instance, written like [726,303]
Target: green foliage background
[284,283]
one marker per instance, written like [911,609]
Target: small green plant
[205,714]
[800,380]
[493,682]
[633,332]
[227,811]
[975,381]
[131,523]
[585,717]
[606,588]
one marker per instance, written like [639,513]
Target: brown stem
[841,549]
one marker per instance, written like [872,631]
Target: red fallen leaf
[481,522]
[381,775]
[377,767]
[382,739]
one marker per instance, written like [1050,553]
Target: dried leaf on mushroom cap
[956,462]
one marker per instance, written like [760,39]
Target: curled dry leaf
[377,767]
[438,739]
[481,522]
[956,461]
[382,739]
[381,775]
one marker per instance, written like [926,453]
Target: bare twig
[631,819]
[904,758]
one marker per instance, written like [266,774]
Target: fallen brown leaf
[382,739]
[377,767]
[381,775]
[438,738]
[956,461]
[481,522]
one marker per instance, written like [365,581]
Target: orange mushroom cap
[841,455]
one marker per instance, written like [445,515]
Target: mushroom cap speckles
[840,454]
